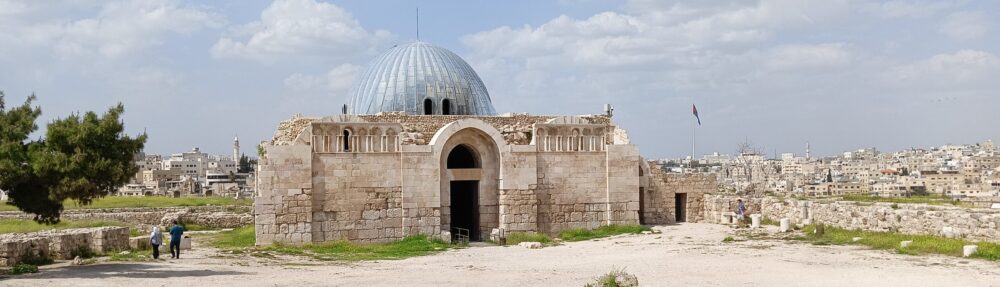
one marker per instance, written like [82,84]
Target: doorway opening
[465,209]
[680,207]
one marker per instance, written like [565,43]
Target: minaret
[236,150]
[807,150]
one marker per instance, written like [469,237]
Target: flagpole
[694,139]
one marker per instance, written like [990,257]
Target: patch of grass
[23,268]
[922,244]
[26,226]
[134,256]
[195,227]
[411,246]
[768,221]
[615,278]
[147,201]
[241,237]
[580,234]
[728,239]
[518,237]
[928,199]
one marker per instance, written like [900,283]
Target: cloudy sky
[839,74]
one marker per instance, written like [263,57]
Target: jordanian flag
[694,110]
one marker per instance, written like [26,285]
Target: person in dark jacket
[176,233]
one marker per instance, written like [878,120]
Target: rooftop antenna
[418,23]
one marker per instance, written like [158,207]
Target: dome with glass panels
[420,79]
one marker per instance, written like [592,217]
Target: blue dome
[420,78]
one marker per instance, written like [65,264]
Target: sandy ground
[683,255]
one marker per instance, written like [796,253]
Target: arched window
[445,107]
[463,157]
[347,140]
[428,107]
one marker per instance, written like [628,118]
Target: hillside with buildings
[967,172]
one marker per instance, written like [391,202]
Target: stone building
[421,151]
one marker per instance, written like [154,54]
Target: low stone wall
[61,244]
[142,218]
[948,221]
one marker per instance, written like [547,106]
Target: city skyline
[841,75]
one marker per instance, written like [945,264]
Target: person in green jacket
[175,240]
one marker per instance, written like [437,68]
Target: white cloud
[120,28]
[904,9]
[337,81]
[289,28]
[965,69]
[965,25]
[812,58]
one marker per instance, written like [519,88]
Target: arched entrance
[470,173]
[464,193]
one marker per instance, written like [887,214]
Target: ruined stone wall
[659,198]
[357,197]
[948,221]
[143,217]
[61,244]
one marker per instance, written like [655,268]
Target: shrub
[728,239]
[24,268]
[615,278]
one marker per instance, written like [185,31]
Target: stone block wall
[357,197]
[519,210]
[283,206]
[61,244]
[659,197]
[572,190]
[948,221]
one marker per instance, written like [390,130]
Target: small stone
[647,232]
[969,250]
[530,245]
[77,261]
[126,252]
[855,239]
[904,244]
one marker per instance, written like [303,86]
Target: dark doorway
[465,209]
[445,107]
[680,207]
[642,205]
[428,106]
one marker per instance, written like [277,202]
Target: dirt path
[683,255]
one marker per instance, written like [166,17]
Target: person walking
[175,240]
[741,210]
[155,239]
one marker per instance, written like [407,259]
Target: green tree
[81,157]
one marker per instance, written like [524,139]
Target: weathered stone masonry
[948,221]
[374,178]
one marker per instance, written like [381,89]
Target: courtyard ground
[683,255]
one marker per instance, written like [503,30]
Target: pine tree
[81,157]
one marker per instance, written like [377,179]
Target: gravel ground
[683,255]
